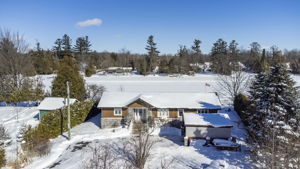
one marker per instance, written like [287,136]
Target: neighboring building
[119,70]
[202,125]
[116,105]
[52,103]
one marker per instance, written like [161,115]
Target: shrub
[244,107]
[52,125]
[2,157]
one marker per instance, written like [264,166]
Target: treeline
[224,57]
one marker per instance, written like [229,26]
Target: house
[52,103]
[202,125]
[119,70]
[115,106]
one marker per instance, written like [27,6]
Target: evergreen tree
[153,56]
[183,54]
[254,59]
[197,52]
[57,48]
[275,123]
[68,71]
[82,45]
[67,45]
[276,55]
[233,53]
[219,58]
[259,95]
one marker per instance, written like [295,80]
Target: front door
[140,114]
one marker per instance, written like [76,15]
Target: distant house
[52,103]
[202,125]
[119,70]
[115,106]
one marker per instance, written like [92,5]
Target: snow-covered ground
[13,118]
[63,155]
[73,154]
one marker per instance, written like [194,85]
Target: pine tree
[276,124]
[233,53]
[255,59]
[82,45]
[152,53]
[197,52]
[68,71]
[67,45]
[259,95]
[57,48]
[183,54]
[219,58]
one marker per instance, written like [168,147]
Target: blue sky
[126,24]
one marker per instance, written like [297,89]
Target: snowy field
[63,155]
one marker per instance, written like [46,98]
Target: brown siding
[173,113]
[109,112]
[139,103]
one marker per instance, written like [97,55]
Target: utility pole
[69,116]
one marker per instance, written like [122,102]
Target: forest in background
[224,57]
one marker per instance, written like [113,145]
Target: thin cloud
[90,22]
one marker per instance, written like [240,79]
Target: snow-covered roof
[119,68]
[162,100]
[53,103]
[207,119]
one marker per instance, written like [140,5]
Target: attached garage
[202,125]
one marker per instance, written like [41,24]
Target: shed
[202,125]
[52,103]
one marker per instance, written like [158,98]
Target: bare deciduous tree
[103,157]
[233,84]
[94,92]
[137,150]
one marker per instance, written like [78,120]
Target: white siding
[202,132]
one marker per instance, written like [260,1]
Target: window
[118,111]
[180,112]
[163,113]
[202,111]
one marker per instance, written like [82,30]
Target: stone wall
[110,122]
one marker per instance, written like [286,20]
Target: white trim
[118,109]
[178,114]
[160,110]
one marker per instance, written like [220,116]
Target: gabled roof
[207,119]
[54,103]
[162,100]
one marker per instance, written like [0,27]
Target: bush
[244,107]
[52,125]
[68,71]
[2,157]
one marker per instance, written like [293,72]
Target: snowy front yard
[73,154]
